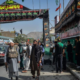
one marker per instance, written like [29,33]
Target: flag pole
[59,10]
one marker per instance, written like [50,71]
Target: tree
[0,34]
[41,39]
[19,39]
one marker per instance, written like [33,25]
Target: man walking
[11,60]
[35,59]
[69,50]
[28,53]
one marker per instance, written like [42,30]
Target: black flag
[21,31]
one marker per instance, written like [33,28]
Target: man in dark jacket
[35,59]
[21,56]
[69,50]
[58,55]
[78,52]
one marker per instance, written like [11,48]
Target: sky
[37,24]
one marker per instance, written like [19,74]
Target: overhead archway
[12,12]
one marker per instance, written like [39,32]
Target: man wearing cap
[11,60]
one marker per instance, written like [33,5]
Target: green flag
[57,2]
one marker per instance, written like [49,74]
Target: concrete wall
[8,34]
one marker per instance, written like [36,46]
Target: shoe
[33,77]
[42,69]
[16,78]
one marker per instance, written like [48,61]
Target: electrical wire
[51,24]
[33,4]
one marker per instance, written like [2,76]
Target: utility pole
[0,28]
[63,5]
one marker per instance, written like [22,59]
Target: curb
[73,72]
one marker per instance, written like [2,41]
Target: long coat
[35,57]
[12,64]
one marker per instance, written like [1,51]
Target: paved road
[47,74]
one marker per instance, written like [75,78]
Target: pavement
[76,72]
[47,74]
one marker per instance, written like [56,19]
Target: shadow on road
[54,77]
[25,77]
[1,64]
[3,78]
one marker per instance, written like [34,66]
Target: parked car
[3,52]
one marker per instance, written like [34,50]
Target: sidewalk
[72,68]
[48,73]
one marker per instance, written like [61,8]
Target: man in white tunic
[12,59]
[28,53]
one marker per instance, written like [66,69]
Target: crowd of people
[27,55]
[32,56]
[59,54]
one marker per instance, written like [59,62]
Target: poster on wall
[73,8]
[46,32]
[46,24]
[70,11]
[47,45]
[78,5]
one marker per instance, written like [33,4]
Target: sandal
[24,71]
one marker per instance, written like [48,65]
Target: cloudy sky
[37,24]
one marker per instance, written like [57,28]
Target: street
[47,74]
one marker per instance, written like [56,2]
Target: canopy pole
[33,4]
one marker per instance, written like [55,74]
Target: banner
[71,32]
[78,5]
[46,37]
